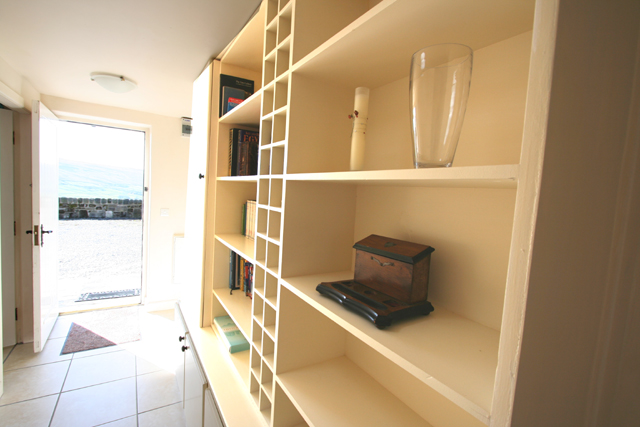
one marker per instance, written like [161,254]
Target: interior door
[44,230]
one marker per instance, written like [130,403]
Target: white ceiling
[162,45]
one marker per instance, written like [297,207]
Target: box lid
[395,249]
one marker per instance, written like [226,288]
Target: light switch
[164,212]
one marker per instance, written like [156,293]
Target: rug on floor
[92,296]
[114,326]
[82,339]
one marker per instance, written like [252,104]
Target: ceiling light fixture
[113,83]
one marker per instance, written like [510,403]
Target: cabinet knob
[185,348]
[181,338]
[200,176]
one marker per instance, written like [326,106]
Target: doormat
[92,296]
[80,338]
[102,328]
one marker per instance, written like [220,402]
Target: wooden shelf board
[497,176]
[274,302]
[226,372]
[240,244]
[332,384]
[270,360]
[454,355]
[271,331]
[238,306]
[399,28]
[247,113]
[248,178]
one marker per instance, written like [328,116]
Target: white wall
[167,182]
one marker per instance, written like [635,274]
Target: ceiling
[162,45]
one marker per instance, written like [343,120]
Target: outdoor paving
[98,255]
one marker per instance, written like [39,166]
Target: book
[248,219]
[243,152]
[232,271]
[232,97]
[234,83]
[230,335]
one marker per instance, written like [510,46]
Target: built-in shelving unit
[311,362]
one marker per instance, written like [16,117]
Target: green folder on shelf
[230,334]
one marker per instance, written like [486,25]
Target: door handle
[42,233]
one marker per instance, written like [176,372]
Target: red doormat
[80,338]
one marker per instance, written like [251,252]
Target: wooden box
[394,267]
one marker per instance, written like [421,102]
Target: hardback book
[244,85]
[243,152]
[230,335]
[248,153]
[232,97]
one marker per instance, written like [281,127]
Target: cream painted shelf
[240,244]
[499,176]
[248,178]
[238,306]
[399,28]
[245,114]
[354,398]
[453,355]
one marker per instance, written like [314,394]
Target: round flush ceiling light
[113,83]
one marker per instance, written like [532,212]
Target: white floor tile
[125,422]
[88,371]
[144,366]
[61,328]
[91,406]
[96,351]
[23,356]
[5,352]
[156,390]
[32,413]
[168,416]
[33,382]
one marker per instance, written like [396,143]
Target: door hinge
[14,138]
[15,232]
[16,314]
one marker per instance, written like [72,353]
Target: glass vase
[439,88]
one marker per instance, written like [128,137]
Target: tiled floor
[129,385]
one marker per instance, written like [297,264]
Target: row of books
[240,275]
[243,152]
[233,91]
[249,219]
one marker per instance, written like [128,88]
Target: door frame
[147,166]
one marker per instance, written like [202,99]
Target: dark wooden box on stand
[391,281]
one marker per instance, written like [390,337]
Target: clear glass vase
[439,88]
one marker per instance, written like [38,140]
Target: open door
[44,230]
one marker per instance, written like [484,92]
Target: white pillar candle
[360,115]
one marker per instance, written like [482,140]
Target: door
[211,415]
[7,226]
[196,186]
[194,386]
[44,229]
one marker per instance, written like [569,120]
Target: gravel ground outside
[98,255]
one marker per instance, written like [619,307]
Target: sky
[121,148]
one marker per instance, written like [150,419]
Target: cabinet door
[194,385]
[180,337]
[211,415]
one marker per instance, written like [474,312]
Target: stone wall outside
[99,208]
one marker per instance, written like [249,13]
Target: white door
[196,186]
[44,181]
[7,226]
